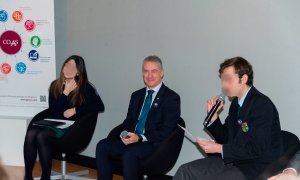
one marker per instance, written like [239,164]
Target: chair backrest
[78,135]
[41,115]
[115,132]
[166,155]
[291,145]
[290,141]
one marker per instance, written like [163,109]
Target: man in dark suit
[249,139]
[292,170]
[152,115]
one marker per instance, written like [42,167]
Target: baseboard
[90,162]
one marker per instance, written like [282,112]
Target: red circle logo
[5,68]
[10,42]
[29,25]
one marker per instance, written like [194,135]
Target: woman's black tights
[38,140]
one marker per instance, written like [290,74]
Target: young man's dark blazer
[250,151]
[162,117]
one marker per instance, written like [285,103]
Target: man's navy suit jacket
[162,117]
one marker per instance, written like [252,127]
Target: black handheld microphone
[213,110]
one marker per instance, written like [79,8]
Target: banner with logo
[27,55]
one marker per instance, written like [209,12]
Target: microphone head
[124,134]
[221,97]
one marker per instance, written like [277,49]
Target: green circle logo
[35,41]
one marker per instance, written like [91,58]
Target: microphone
[213,110]
[124,134]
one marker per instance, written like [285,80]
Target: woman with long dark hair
[70,97]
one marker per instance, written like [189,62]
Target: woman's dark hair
[241,66]
[77,95]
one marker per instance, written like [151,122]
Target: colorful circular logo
[17,16]
[21,67]
[3,16]
[10,42]
[29,25]
[33,55]
[5,68]
[35,41]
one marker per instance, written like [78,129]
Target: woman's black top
[92,103]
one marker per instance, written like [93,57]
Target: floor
[17,172]
[70,168]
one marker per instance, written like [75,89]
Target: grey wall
[192,37]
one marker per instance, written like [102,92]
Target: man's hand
[131,138]
[69,112]
[69,87]
[209,146]
[210,104]
[285,175]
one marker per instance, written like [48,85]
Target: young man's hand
[209,146]
[210,104]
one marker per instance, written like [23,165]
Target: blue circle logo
[21,67]
[33,55]
[3,16]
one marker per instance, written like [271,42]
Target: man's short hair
[241,66]
[154,59]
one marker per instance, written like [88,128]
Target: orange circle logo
[17,16]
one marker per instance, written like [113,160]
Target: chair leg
[79,173]
[63,166]
[56,177]
[64,175]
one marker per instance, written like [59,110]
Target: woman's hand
[69,87]
[69,112]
